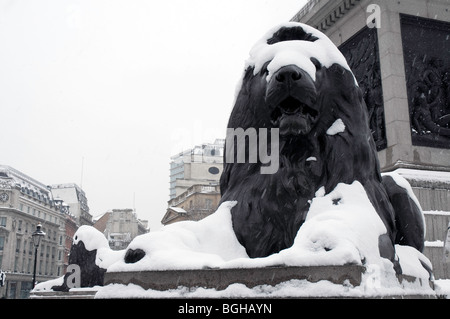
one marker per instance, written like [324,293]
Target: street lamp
[37,235]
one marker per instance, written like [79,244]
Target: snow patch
[424,175]
[320,192]
[209,242]
[295,52]
[47,285]
[410,259]
[91,238]
[337,127]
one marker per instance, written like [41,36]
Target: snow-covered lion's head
[283,80]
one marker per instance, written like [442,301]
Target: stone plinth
[222,278]
[402,67]
[85,293]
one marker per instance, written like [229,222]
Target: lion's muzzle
[291,95]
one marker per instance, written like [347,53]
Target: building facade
[202,164]
[197,202]
[120,226]
[76,199]
[71,226]
[25,203]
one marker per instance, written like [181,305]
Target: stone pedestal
[392,62]
[85,293]
[221,278]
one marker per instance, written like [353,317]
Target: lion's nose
[288,73]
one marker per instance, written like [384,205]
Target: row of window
[27,265]
[30,228]
[30,245]
[35,212]
[207,205]
[37,195]
[28,254]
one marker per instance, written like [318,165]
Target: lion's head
[281,76]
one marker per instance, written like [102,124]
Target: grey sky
[117,87]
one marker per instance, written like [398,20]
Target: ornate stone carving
[426,47]
[361,52]
[6,184]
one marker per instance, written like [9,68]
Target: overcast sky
[101,93]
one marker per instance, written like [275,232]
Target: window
[2,242]
[208,203]
[213,170]
[3,221]
[19,243]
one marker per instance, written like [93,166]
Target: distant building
[24,203]
[202,164]
[197,202]
[71,227]
[75,197]
[120,226]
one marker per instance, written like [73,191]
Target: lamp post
[37,235]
